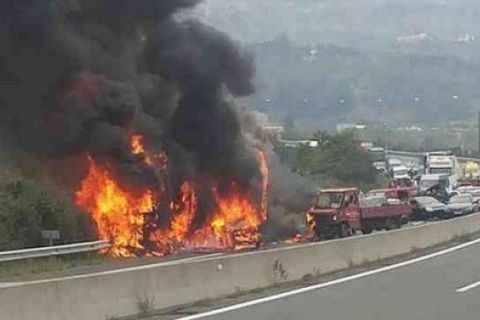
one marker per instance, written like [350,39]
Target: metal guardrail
[43,252]
[404,153]
[420,154]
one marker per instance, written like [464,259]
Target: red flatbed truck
[343,211]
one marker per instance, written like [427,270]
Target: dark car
[428,208]
[461,204]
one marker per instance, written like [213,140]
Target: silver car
[461,204]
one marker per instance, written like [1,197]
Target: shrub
[27,207]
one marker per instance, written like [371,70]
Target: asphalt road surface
[446,286]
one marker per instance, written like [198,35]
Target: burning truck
[134,220]
[127,105]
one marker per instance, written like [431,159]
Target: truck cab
[445,181]
[442,162]
[335,212]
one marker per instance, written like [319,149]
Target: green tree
[338,160]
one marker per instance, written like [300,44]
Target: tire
[398,223]
[389,224]
[447,215]
[393,223]
[367,229]
[343,230]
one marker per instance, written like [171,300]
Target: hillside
[343,22]
[358,60]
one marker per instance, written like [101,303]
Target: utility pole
[478,132]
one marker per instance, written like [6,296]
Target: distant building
[414,38]
[410,128]
[299,143]
[466,38]
[275,132]
[342,127]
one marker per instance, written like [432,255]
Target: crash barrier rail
[44,252]
[404,153]
[125,292]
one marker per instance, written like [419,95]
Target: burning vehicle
[127,104]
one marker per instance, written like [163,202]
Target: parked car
[474,191]
[461,204]
[476,195]
[428,208]
[392,163]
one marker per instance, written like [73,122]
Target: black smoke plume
[80,77]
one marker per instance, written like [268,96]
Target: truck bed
[386,211]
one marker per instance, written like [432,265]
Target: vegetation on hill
[324,62]
[337,161]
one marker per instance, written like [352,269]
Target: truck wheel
[343,230]
[390,224]
[398,223]
[367,230]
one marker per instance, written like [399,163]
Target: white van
[444,180]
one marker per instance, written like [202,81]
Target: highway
[230,286]
[442,286]
[113,265]
[110,265]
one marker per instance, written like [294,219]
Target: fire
[136,143]
[296,239]
[234,224]
[311,223]
[185,210]
[140,222]
[119,214]
[138,148]
[263,163]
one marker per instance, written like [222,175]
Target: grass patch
[49,264]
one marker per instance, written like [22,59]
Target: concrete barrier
[117,293]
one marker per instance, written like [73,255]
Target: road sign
[51,235]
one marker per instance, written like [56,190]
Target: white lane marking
[101,273]
[468,287]
[327,284]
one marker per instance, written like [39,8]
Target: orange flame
[185,210]
[137,147]
[263,163]
[234,224]
[121,215]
